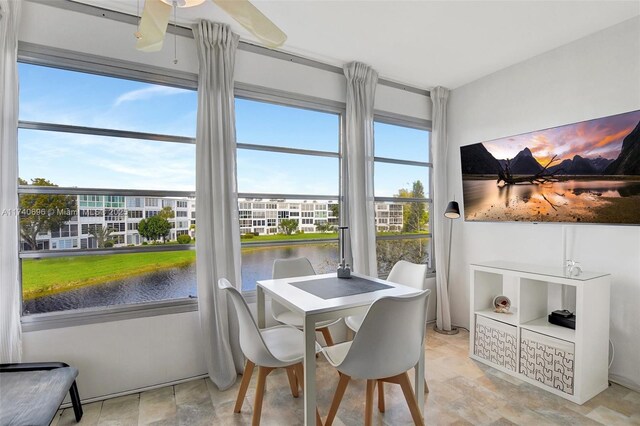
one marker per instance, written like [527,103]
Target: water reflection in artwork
[586,172]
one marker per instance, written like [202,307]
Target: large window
[402,193]
[107,187]
[289,184]
[103,163]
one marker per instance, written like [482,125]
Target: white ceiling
[422,43]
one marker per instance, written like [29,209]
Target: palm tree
[101,234]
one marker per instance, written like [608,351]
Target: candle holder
[343,268]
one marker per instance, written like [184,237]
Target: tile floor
[462,392]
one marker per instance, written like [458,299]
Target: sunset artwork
[587,172]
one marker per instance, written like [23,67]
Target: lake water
[568,201]
[180,283]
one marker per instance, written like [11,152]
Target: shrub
[108,244]
[184,239]
[144,243]
[247,236]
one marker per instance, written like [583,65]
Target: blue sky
[65,97]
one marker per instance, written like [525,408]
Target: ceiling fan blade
[255,21]
[153,25]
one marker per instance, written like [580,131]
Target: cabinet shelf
[543,326]
[566,362]
[511,318]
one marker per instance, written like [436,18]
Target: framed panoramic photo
[587,172]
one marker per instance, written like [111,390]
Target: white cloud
[148,93]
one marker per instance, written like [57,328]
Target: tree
[154,228]
[335,209]
[288,226]
[325,227]
[41,213]
[102,234]
[415,217]
[404,193]
[167,213]
[183,239]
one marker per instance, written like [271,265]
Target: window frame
[34,54]
[418,124]
[287,99]
[91,64]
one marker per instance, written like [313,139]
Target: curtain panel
[217,231]
[439,97]
[10,331]
[358,152]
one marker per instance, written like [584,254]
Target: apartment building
[122,214]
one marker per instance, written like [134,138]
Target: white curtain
[359,202]
[10,332]
[217,230]
[439,96]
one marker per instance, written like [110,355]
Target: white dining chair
[403,272]
[395,327]
[281,346]
[297,267]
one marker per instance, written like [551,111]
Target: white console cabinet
[570,363]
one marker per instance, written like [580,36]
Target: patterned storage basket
[496,342]
[547,360]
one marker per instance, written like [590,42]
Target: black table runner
[332,287]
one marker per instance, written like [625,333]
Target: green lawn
[53,275]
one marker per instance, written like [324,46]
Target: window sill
[75,318]
[52,320]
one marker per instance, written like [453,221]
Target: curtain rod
[87,9]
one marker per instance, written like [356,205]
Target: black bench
[31,393]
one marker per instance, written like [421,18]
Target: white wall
[125,355]
[117,356]
[593,77]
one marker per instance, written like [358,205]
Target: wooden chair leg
[263,372]
[327,336]
[337,398]
[299,369]
[242,392]
[368,406]
[350,334]
[293,381]
[381,396]
[403,379]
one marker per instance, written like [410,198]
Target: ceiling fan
[156,13]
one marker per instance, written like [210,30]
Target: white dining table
[314,309]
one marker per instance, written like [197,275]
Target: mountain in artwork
[628,162]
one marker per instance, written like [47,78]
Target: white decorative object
[501,304]
[569,363]
[572,269]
